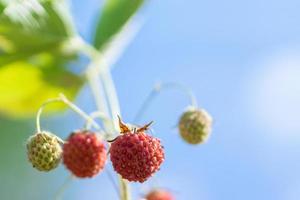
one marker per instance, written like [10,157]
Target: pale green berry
[195,126]
[44,151]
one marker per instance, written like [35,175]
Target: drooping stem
[39,113]
[151,96]
[157,90]
[97,114]
[79,111]
[62,98]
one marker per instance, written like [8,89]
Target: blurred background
[242,60]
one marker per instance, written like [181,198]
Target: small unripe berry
[84,154]
[195,126]
[44,151]
[159,195]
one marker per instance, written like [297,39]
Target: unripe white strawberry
[44,151]
[195,126]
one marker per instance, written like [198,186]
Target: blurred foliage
[115,15]
[29,28]
[24,87]
[33,60]
[36,51]
[1,7]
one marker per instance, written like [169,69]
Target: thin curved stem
[79,111]
[151,96]
[62,98]
[157,90]
[39,113]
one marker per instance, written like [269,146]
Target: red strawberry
[136,155]
[159,195]
[84,154]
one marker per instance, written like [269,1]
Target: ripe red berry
[84,154]
[136,156]
[159,195]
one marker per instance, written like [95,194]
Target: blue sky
[242,59]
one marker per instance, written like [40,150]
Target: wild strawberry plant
[38,41]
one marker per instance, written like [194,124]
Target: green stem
[112,96]
[124,189]
[79,111]
[105,120]
[62,98]
[93,77]
[99,77]
[39,113]
[157,90]
[99,115]
[97,88]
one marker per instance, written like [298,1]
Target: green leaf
[33,58]
[1,7]
[24,87]
[114,16]
[30,27]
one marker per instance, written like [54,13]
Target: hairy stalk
[99,71]
[62,98]
[112,97]
[158,88]
[93,77]
[99,77]
[97,88]
[124,189]
[113,102]
[39,113]
[79,111]
[99,115]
